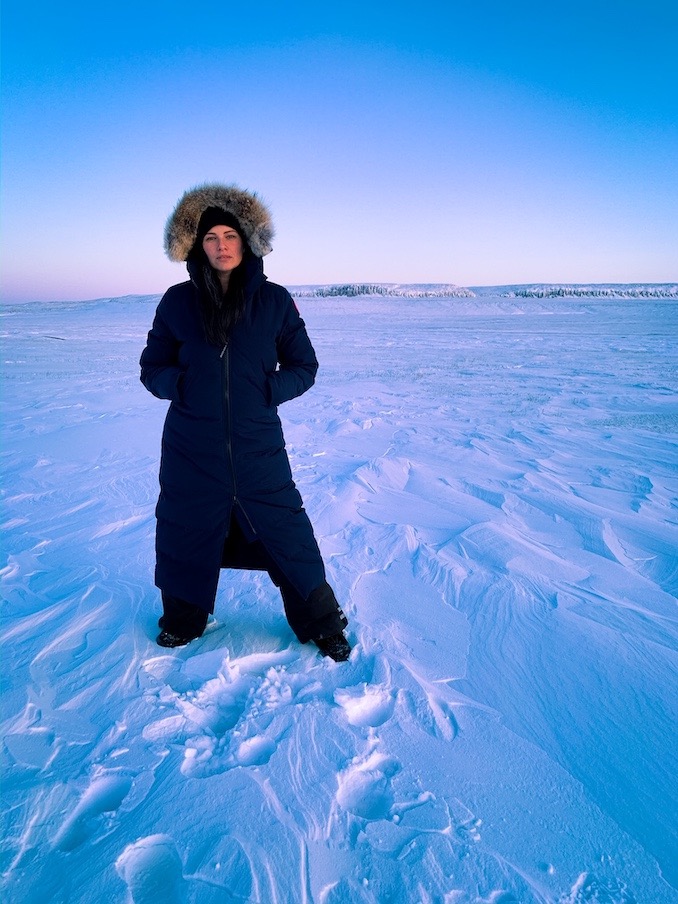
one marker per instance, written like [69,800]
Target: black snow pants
[311,619]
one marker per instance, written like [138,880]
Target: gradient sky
[481,142]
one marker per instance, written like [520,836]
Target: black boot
[165,639]
[318,616]
[336,647]
[180,623]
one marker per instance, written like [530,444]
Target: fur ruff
[248,209]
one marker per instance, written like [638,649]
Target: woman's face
[223,247]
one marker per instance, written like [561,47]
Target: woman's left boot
[336,647]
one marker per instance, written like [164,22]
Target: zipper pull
[223,351]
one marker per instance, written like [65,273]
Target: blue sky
[475,143]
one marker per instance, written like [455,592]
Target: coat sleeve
[160,371]
[297,362]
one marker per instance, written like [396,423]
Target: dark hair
[220,310]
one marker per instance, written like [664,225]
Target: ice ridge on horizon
[408,290]
[529,290]
[421,290]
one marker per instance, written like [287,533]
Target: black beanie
[215,216]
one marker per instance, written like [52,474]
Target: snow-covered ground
[493,485]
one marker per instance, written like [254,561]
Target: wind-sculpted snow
[493,486]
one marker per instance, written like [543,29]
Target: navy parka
[223,451]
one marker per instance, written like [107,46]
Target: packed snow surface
[493,485]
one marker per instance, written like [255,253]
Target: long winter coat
[223,451]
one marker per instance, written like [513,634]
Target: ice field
[493,485]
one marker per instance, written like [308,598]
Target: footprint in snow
[365,788]
[104,795]
[235,718]
[591,889]
[365,791]
[255,751]
[366,706]
[152,870]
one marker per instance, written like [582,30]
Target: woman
[226,348]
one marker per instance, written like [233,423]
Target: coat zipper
[225,356]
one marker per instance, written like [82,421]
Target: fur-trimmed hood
[248,209]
